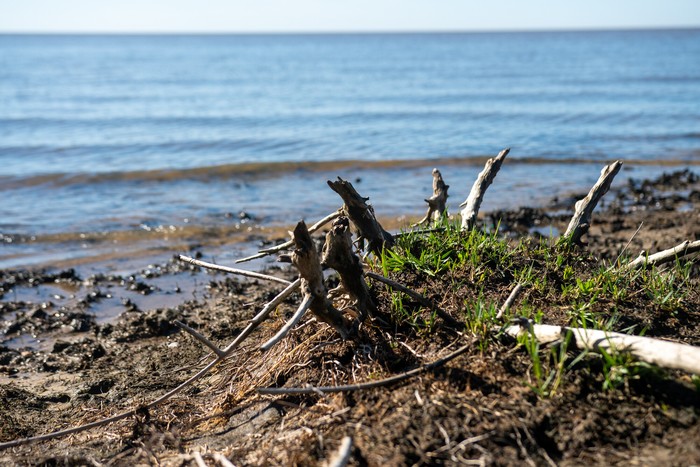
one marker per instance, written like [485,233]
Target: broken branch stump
[338,254]
[581,221]
[437,204]
[473,202]
[305,258]
[362,216]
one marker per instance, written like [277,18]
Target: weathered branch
[370,384]
[241,272]
[289,243]
[655,351]
[338,254]
[342,457]
[646,261]
[473,202]
[437,204]
[362,216]
[509,301]
[214,348]
[305,258]
[581,221]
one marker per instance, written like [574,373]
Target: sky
[250,16]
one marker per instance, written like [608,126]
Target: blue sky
[340,15]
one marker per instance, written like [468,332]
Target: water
[111,141]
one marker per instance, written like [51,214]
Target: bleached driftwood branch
[655,351]
[362,216]
[305,258]
[581,221]
[240,272]
[289,243]
[684,249]
[473,202]
[437,204]
[342,456]
[338,254]
[509,301]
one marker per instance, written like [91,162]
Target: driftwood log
[473,202]
[437,204]
[655,351]
[338,254]
[647,261]
[362,216]
[305,258]
[581,221]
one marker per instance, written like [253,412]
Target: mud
[75,349]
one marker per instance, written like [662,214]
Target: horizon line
[357,32]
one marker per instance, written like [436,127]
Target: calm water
[105,137]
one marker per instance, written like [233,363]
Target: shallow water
[111,145]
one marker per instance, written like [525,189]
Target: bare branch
[581,221]
[342,457]
[645,261]
[241,272]
[509,301]
[473,202]
[655,351]
[214,348]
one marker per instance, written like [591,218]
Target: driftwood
[305,258]
[342,456]
[437,204]
[286,245]
[647,261]
[473,202]
[509,301]
[240,272]
[655,351]
[581,221]
[338,254]
[362,216]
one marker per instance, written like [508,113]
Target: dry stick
[362,216]
[199,337]
[684,249]
[342,457]
[476,195]
[285,246]
[339,255]
[296,317]
[221,459]
[656,351]
[255,322]
[437,204]
[240,272]
[370,384]
[509,301]
[581,221]
[426,302]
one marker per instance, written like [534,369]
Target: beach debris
[645,260]
[581,221]
[437,204]
[664,354]
[362,216]
[472,204]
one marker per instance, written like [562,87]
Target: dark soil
[478,408]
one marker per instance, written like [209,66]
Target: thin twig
[285,246]
[371,384]
[342,457]
[255,322]
[416,296]
[214,348]
[509,301]
[628,244]
[241,272]
[296,317]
